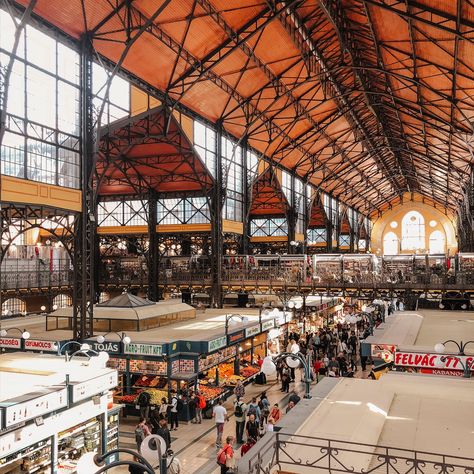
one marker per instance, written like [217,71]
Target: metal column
[153,250]
[218,197]
[84,274]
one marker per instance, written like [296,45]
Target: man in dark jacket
[164,432]
[294,398]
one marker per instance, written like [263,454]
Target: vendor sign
[144,349]
[112,347]
[216,344]
[266,325]
[249,332]
[383,351]
[38,345]
[235,337]
[433,361]
[10,342]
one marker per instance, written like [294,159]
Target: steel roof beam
[302,39]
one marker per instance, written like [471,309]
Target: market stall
[52,411]
[126,312]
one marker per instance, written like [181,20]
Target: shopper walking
[141,432]
[219,414]
[285,380]
[240,412]
[252,427]
[174,410]
[225,456]
[254,409]
[164,432]
[163,410]
[192,405]
[173,465]
[200,405]
[144,404]
[239,390]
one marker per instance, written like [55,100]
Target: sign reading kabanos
[433,361]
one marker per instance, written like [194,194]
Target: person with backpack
[240,411]
[141,432]
[143,402]
[174,409]
[225,456]
[254,409]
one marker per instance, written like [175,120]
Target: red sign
[35,345]
[433,361]
[456,373]
[10,342]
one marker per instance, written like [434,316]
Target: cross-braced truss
[366,99]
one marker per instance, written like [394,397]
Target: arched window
[413,231]
[104,296]
[62,301]
[437,242]
[13,307]
[390,244]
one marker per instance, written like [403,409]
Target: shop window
[13,306]
[390,244]
[413,231]
[437,242]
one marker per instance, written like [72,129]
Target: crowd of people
[334,352]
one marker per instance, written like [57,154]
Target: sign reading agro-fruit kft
[144,349]
[216,343]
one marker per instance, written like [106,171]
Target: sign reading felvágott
[144,349]
[433,361]
[89,388]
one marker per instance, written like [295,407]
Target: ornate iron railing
[306,454]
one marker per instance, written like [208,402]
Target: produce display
[210,393]
[156,395]
[233,379]
[225,370]
[247,372]
[130,399]
[150,381]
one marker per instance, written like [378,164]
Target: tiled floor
[194,445]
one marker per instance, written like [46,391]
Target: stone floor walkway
[194,444]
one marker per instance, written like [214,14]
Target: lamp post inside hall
[467,365]
[292,360]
